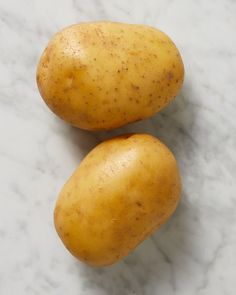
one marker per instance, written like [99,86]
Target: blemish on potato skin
[134,86]
[170,76]
[139,204]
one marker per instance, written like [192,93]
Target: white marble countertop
[195,252]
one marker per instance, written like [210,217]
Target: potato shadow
[158,258]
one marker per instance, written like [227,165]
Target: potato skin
[122,191]
[102,75]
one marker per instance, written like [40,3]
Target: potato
[102,75]
[123,190]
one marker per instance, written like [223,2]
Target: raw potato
[102,75]
[123,190]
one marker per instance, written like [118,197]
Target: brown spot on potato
[170,76]
[139,204]
[136,87]
[126,136]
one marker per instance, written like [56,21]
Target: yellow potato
[102,75]
[123,190]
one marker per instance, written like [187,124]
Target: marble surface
[195,252]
